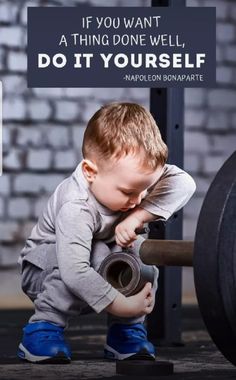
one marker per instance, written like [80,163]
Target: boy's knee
[156,272]
[137,244]
[99,252]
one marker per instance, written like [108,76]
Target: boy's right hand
[134,306]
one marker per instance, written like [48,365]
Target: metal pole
[167,252]
[164,323]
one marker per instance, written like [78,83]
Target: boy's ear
[89,169]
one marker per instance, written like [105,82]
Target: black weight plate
[214,260]
[144,367]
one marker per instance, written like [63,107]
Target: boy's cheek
[144,194]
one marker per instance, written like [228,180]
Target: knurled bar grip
[167,252]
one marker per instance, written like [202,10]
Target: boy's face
[122,184]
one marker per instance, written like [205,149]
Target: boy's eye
[126,192]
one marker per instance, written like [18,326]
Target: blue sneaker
[128,342]
[44,342]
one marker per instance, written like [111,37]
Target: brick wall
[43,128]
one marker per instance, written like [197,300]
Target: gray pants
[53,301]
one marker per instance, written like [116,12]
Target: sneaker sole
[24,354]
[110,353]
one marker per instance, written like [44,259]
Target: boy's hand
[138,305]
[125,231]
[143,301]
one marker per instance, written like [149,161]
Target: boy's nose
[136,200]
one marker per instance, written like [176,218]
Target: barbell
[212,254]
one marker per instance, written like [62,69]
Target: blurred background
[43,130]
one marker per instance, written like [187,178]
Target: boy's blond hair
[118,129]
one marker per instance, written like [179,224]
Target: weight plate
[214,260]
[144,368]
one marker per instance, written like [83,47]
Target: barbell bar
[167,252]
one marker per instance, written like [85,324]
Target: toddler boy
[122,182]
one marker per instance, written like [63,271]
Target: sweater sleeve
[75,226]
[170,193]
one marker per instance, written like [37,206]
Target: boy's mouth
[127,208]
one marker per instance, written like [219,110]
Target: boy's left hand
[125,231]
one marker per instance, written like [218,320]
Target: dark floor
[198,358]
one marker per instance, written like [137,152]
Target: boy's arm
[172,191]
[75,228]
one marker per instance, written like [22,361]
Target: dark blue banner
[121,47]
